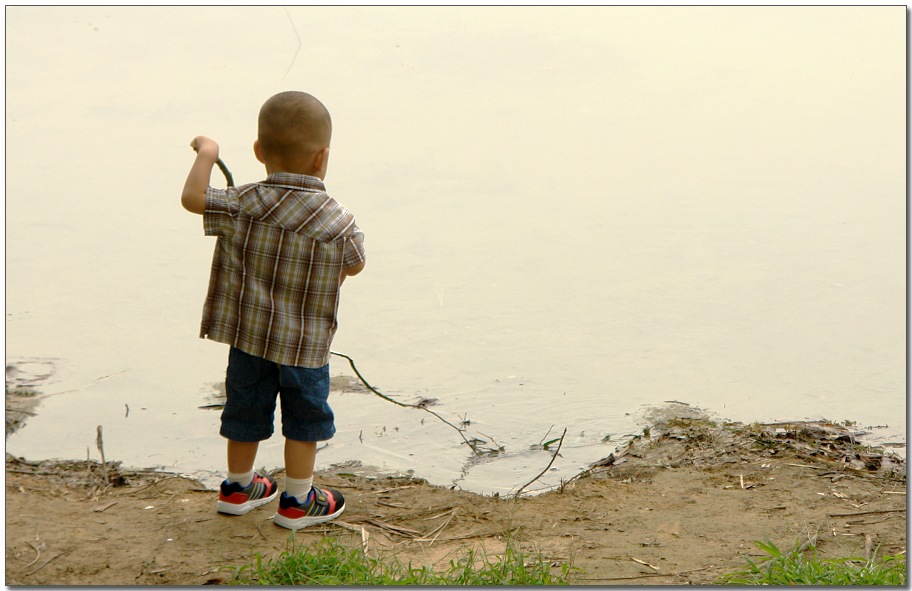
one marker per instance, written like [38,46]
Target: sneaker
[235,499]
[321,506]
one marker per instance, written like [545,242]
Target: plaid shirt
[274,283]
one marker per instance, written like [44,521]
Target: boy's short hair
[293,124]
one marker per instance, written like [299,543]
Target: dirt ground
[681,505]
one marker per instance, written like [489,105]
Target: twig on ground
[438,531]
[48,561]
[151,484]
[37,555]
[347,526]
[401,531]
[104,507]
[378,492]
[392,505]
[866,513]
[548,467]
[364,537]
[638,561]
[104,466]
[644,575]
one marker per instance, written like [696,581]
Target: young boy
[283,250]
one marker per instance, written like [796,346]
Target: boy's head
[294,134]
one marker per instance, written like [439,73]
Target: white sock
[242,478]
[298,487]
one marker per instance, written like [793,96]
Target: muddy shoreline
[681,504]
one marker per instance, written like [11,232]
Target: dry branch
[548,467]
[100,443]
[866,513]
[48,561]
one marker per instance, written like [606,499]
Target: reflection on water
[571,214]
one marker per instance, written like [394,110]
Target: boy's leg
[244,489]
[241,457]
[306,419]
[251,385]
[300,457]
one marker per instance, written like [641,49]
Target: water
[572,215]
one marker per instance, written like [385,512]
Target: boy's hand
[193,197]
[205,147]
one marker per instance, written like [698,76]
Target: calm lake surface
[572,215]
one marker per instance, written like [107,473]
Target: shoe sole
[243,508]
[301,522]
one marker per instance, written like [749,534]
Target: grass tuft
[794,568]
[329,562]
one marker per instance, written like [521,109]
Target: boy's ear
[257,152]
[321,161]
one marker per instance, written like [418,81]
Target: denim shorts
[252,384]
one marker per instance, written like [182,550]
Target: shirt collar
[295,181]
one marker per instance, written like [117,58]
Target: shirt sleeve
[354,248]
[222,207]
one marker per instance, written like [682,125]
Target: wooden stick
[48,561]
[548,467]
[228,178]
[638,561]
[351,362]
[866,513]
[37,555]
[676,574]
[440,529]
[103,507]
[100,443]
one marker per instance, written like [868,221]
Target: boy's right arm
[193,197]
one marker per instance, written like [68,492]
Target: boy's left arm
[353,259]
[193,197]
[351,271]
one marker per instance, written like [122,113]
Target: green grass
[330,562]
[794,568]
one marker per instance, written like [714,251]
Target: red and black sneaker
[321,505]
[235,499]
